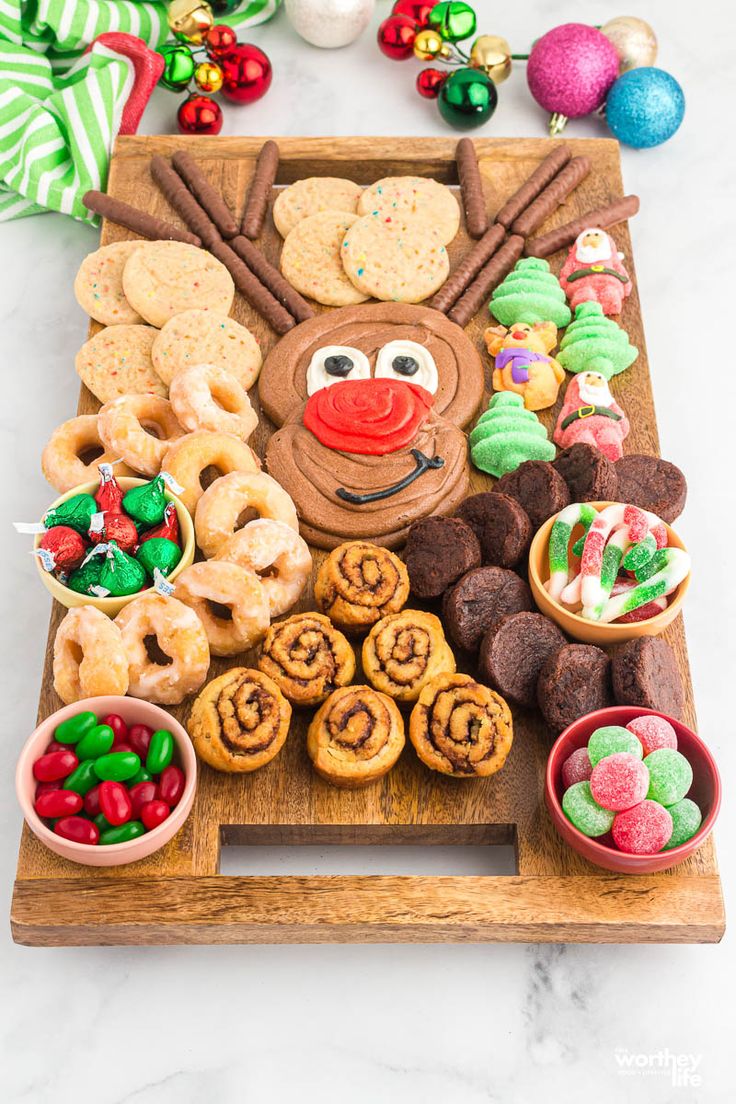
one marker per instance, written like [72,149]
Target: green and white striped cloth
[61,107]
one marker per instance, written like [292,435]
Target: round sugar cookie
[413,197]
[117,361]
[201,337]
[164,278]
[399,262]
[311,262]
[311,196]
[98,286]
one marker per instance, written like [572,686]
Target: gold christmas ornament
[190,20]
[428,44]
[208,77]
[634,40]
[492,54]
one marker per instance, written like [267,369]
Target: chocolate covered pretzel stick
[603,217]
[471,188]
[208,196]
[272,278]
[249,286]
[174,189]
[489,276]
[543,175]
[256,203]
[132,218]
[552,196]
[468,269]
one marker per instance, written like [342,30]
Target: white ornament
[329,23]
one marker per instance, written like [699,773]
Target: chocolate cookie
[501,524]
[538,487]
[652,483]
[574,681]
[480,599]
[645,673]
[590,476]
[513,652]
[438,551]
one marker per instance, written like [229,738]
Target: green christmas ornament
[120,574]
[159,552]
[86,576]
[76,512]
[593,343]
[507,435]
[146,503]
[454,21]
[530,293]
[467,99]
[179,66]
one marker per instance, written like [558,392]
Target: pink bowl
[705,791]
[133,711]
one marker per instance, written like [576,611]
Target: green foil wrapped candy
[507,435]
[76,512]
[530,293]
[146,504]
[86,576]
[159,552]
[594,343]
[121,574]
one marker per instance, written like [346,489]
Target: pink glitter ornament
[570,71]
[653,733]
[576,768]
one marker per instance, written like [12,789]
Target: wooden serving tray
[178,896]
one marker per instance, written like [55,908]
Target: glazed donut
[103,666]
[179,634]
[225,584]
[225,500]
[276,550]
[126,426]
[208,397]
[61,461]
[193,453]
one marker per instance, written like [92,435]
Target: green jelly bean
[96,742]
[122,833]
[118,766]
[142,776]
[160,751]
[82,778]
[74,728]
[102,822]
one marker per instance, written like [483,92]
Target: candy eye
[409,361]
[334,363]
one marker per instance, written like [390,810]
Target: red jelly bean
[118,726]
[139,737]
[643,830]
[58,803]
[154,813]
[124,745]
[576,768]
[141,794]
[47,787]
[55,765]
[619,781]
[92,801]
[77,829]
[115,803]
[171,784]
[56,746]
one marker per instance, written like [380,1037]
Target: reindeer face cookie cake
[371,400]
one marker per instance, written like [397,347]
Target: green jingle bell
[76,512]
[179,66]
[87,576]
[146,504]
[454,21]
[159,552]
[121,574]
[467,99]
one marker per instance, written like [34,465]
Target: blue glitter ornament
[645,107]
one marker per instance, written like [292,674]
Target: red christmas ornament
[415,9]
[429,82]
[61,549]
[108,495]
[247,73]
[199,115]
[219,39]
[117,527]
[396,37]
[169,527]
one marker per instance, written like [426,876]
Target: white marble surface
[405,1023]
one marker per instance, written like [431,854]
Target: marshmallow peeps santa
[591,414]
[593,272]
[523,364]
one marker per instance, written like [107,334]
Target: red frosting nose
[372,416]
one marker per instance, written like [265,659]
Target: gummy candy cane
[669,565]
[577,513]
[632,543]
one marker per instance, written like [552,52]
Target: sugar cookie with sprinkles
[98,286]
[164,278]
[398,262]
[310,259]
[201,337]
[311,196]
[403,197]
[117,361]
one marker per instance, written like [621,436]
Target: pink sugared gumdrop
[576,768]
[643,830]
[653,732]
[619,781]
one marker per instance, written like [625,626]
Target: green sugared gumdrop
[686,819]
[582,810]
[506,435]
[593,343]
[612,738]
[670,776]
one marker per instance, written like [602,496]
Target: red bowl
[705,791]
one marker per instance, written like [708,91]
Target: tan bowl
[112,606]
[580,628]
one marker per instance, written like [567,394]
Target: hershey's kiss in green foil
[454,21]
[121,574]
[467,99]
[86,576]
[76,512]
[159,552]
[146,504]
[179,66]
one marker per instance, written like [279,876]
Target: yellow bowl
[112,606]
[580,628]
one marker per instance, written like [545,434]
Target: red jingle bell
[246,73]
[417,10]
[429,82]
[396,37]
[199,115]
[219,39]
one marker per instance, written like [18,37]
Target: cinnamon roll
[307,657]
[239,722]
[461,728]
[355,737]
[403,651]
[359,583]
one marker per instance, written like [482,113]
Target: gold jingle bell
[190,20]
[635,41]
[428,44]
[208,77]
[492,54]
